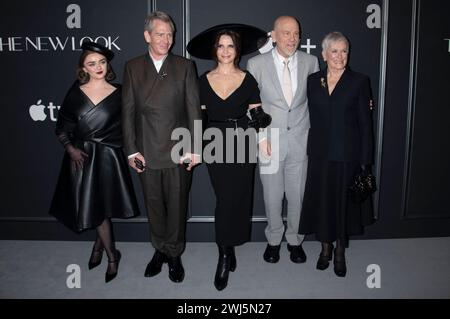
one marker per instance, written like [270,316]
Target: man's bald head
[283,19]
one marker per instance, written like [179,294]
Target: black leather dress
[103,188]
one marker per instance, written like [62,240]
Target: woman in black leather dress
[94,184]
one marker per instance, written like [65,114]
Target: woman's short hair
[83,77]
[158,15]
[333,37]
[235,37]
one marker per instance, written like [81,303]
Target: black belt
[235,121]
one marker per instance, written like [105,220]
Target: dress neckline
[232,93]
[102,100]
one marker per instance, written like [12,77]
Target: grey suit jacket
[292,122]
[154,104]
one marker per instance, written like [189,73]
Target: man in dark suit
[160,94]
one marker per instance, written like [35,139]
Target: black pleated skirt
[102,189]
[327,211]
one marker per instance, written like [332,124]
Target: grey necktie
[287,83]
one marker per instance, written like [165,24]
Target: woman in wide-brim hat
[227,93]
[94,183]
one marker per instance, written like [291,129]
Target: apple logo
[37,111]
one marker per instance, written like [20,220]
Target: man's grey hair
[333,37]
[158,15]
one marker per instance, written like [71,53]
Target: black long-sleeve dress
[103,187]
[232,182]
[340,140]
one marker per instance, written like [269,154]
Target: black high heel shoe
[111,276]
[324,260]
[340,268]
[93,264]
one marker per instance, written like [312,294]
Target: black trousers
[166,193]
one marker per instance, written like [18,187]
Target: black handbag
[362,187]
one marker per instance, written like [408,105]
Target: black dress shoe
[176,270]
[155,265]
[272,254]
[340,268]
[96,258]
[298,255]
[111,275]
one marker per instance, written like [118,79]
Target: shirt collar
[161,61]
[281,58]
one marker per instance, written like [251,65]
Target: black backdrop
[400,44]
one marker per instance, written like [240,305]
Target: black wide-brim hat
[252,38]
[95,47]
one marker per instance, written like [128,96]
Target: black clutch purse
[362,187]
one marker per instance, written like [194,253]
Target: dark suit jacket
[341,123]
[154,104]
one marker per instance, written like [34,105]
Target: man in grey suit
[160,94]
[281,74]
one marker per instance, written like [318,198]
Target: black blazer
[154,104]
[341,123]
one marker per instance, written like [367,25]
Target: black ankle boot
[227,262]
[232,259]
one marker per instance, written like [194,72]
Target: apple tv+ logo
[38,111]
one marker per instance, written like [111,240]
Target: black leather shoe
[96,258]
[226,263]
[155,265]
[272,254]
[298,255]
[111,275]
[176,270]
[340,268]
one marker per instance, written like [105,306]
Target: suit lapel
[151,71]
[154,80]
[165,66]
[345,77]
[323,85]
[301,69]
[274,75]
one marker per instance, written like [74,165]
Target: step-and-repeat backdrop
[39,49]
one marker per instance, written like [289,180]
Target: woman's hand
[76,155]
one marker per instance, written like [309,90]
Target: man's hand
[137,162]
[265,148]
[190,160]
